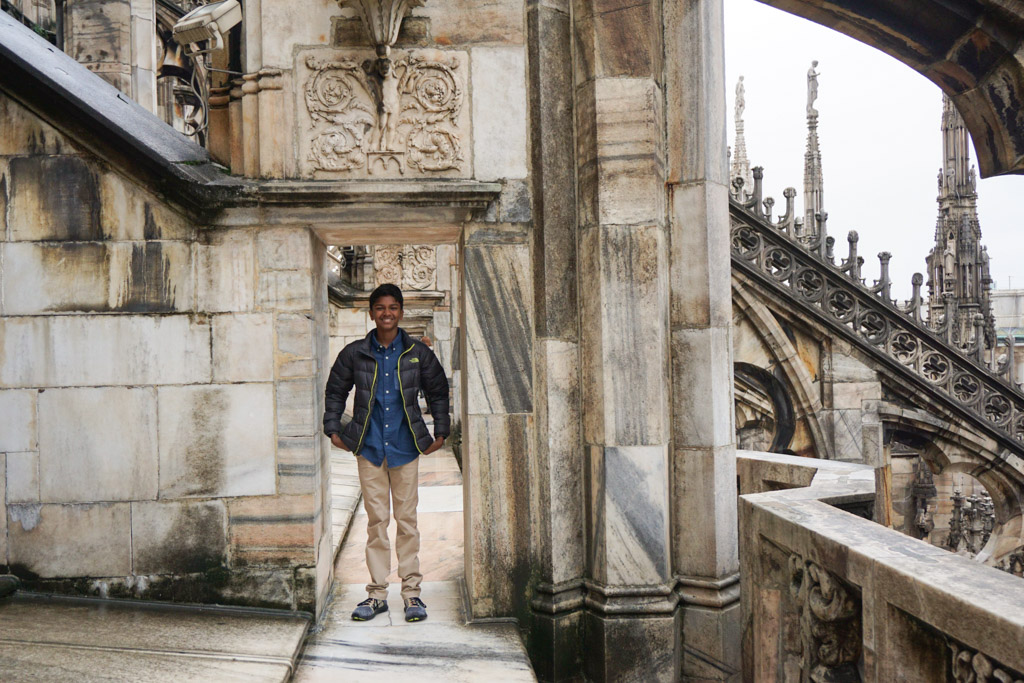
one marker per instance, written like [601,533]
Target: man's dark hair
[387,289]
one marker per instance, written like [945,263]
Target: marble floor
[442,648]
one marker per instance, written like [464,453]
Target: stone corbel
[382,19]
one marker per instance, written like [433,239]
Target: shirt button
[387,425]
[386,443]
[386,374]
[387,409]
[387,391]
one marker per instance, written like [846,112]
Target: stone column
[703,458]
[631,623]
[557,546]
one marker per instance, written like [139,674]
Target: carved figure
[812,88]
[741,102]
[387,109]
[830,626]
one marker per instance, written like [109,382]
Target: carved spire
[740,162]
[814,190]
[958,265]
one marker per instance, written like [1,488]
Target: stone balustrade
[831,596]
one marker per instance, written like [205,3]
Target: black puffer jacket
[418,368]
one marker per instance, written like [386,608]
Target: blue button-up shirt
[389,435]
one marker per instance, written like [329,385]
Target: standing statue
[388,105]
[812,89]
[741,102]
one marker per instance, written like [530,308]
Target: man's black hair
[387,289]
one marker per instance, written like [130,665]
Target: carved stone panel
[411,267]
[413,122]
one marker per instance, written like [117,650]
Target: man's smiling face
[386,313]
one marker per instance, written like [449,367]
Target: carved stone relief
[971,666]
[410,121]
[408,266]
[827,646]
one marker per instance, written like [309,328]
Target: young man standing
[388,369]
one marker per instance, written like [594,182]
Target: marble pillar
[705,560]
[631,622]
[556,465]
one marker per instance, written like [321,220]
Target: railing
[805,273]
[827,596]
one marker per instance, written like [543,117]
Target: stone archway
[971,50]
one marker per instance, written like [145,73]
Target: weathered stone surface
[499,112]
[26,133]
[619,152]
[17,420]
[217,440]
[53,198]
[103,350]
[283,249]
[272,530]
[23,477]
[496,493]
[701,258]
[628,514]
[178,537]
[704,528]
[295,408]
[634,648]
[243,347]
[284,290]
[3,509]
[97,444]
[465,22]
[617,39]
[499,328]
[553,163]
[702,382]
[128,213]
[295,346]
[297,464]
[628,290]
[94,540]
[226,272]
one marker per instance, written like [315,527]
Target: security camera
[207,24]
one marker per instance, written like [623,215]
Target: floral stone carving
[408,266]
[410,120]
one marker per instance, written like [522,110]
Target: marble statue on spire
[740,166]
[812,88]
[814,184]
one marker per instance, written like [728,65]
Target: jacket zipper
[401,394]
[373,388]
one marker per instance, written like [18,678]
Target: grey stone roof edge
[92,111]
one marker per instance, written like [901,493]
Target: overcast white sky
[879,135]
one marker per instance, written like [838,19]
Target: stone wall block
[853,394]
[243,347]
[94,540]
[701,256]
[617,39]
[350,322]
[283,248]
[97,444]
[56,278]
[17,420]
[226,272]
[131,214]
[499,112]
[217,440]
[54,198]
[702,384]
[627,494]
[704,511]
[296,413]
[295,356]
[151,277]
[628,159]
[467,22]
[178,537]
[694,92]
[553,165]
[23,477]
[497,510]
[272,530]
[499,320]
[284,290]
[27,134]
[85,350]
[297,464]
[624,386]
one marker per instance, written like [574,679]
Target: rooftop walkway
[45,638]
[442,648]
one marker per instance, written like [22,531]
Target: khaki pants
[402,483]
